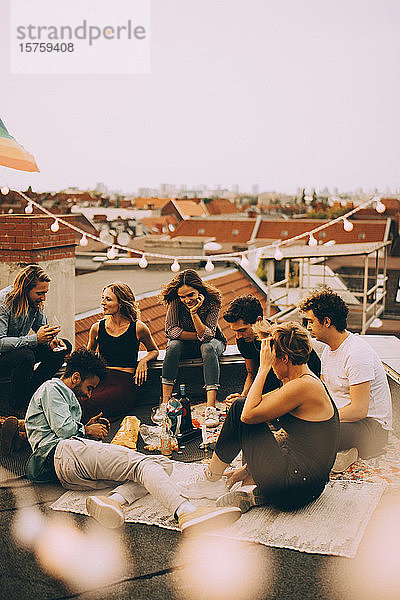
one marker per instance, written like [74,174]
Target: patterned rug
[334,524]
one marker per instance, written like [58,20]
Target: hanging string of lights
[211,259]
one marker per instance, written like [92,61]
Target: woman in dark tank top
[117,338]
[293,472]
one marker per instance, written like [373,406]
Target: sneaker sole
[9,432]
[242,500]
[187,493]
[104,513]
[346,461]
[216,520]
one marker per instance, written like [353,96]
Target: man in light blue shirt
[26,338]
[63,451]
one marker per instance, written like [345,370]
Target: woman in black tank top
[117,338]
[293,472]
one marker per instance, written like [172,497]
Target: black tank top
[120,351]
[316,441]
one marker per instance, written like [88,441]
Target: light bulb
[380,207]
[278,255]
[312,241]
[83,241]
[209,266]
[175,267]
[111,253]
[347,225]
[55,226]
[143,262]
[29,208]
[244,262]
[4,190]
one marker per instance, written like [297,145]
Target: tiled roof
[223,230]
[150,202]
[189,208]
[364,231]
[153,312]
[221,206]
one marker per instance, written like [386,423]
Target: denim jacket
[14,330]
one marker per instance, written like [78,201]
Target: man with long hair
[354,376]
[67,451]
[26,338]
[191,327]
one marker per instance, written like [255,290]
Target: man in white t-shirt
[354,376]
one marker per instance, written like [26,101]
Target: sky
[284,94]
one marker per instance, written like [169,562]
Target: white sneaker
[208,518]
[244,497]
[160,414]
[211,417]
[200,487]
[106,511]
[344,459]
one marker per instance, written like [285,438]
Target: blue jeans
[209,351]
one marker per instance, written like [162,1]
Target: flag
[12,154]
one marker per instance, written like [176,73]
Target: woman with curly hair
[117,338]
[287,474]
[192,330]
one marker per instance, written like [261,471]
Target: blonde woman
[289,475]
[117,338]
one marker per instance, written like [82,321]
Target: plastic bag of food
[127,434]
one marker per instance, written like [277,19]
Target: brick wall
[28,238]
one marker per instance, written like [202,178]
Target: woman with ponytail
[289,473]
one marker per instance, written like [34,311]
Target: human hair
[126,299]
[17,299]
[189,277]
[248,308]
[287,339]
[324,302]
[87,364]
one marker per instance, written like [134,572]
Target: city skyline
[282,95]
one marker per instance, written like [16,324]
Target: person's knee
[174,347]
[237,407]
[208,351]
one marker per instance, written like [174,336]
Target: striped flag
[12,154]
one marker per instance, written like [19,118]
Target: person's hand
[141,372]
[240,474]
[56,345]
[195,307]
[266,354]
[229,400]
[97,427]
[96,431]
[46,333]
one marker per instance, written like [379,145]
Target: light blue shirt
[53,414]
[14,330]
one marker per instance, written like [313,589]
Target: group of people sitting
[330,411]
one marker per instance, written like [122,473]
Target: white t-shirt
[355,361]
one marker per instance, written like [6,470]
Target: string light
[4,190]
[83,241]
[209,266]
[143,262]
[380,207]
[312,241]
[55,226]
[111,253]
[347,225]
[278,254]
[175,267]
[29,208]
